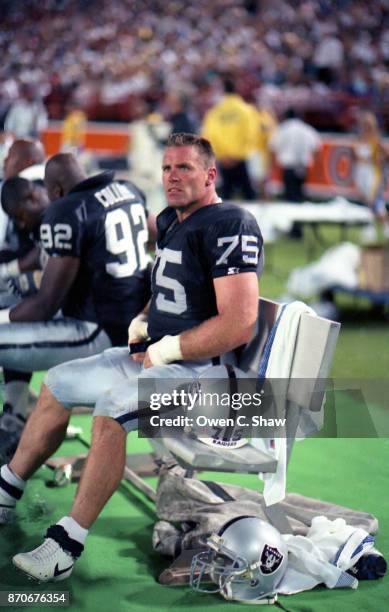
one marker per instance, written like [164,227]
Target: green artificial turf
[119,569]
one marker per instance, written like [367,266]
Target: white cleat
[47,563]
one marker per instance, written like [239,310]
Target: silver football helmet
[246,560]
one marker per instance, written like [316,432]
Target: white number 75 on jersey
[249,248]
[177,302]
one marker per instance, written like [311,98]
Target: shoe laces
[48,551]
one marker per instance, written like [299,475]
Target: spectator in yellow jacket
[231,127]
[74,129]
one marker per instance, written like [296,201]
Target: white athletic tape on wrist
[165,351]
[4,315]
[10,269]
[138,328]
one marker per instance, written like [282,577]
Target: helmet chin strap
[214,541]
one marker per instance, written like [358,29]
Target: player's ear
[57,191]
[211,176]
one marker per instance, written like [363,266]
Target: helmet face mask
[246,561]
[220,563]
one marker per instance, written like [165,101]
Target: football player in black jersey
[19,253]
[204,304]
[24,160]
[25,201]
[96,277]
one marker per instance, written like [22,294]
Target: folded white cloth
[279,366]
[323,556]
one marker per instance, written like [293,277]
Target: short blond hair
[203,146]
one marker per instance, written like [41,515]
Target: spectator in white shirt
[294,144]
[26,117]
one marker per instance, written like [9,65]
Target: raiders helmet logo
[270,559]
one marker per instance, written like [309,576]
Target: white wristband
[165,351]
[4,315]
[138,328]
[10,269]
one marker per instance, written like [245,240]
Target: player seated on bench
[93,235]
[19,254]
[204,303]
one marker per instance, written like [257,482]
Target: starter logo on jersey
[233,271]
[270,559]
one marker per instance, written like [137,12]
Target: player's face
[186,180]
[34,204]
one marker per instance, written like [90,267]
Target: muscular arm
[237,305]
[57,279]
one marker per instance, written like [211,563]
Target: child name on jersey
[113,194]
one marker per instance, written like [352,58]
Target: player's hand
[137,330]
[164,351]
[10,269]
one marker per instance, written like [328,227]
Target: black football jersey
[103,223]
[214,241]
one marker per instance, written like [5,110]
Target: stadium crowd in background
[311,54]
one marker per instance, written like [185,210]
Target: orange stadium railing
[331,174]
